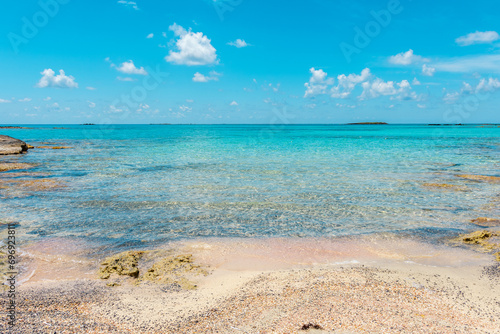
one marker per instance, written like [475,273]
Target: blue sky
[243,61]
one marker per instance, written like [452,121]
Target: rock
[122,264]
[6,166]
[486,222]
[175,270]
[480,177]
[483,240]
[443,186]
[9,145]
[54,147]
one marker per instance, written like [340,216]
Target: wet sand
[361,285]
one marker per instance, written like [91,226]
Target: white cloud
[239,43]
[415,82]
[91,88]
[379,87]
[192,48]
[61,80]
[48,98]
[91,104]
[451,97]
[128,67]
[478,37]
[421,106]
[198,77]
[484,85]
[470,64]
[114,109]
[151,35]
[489,85]
[318,83]
[5,101]
[129,3]
[347,83]
[185,108]
[428,70]
[125,79]
[234,103]
[406,58]
[26,99]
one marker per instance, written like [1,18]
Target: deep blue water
[147,184]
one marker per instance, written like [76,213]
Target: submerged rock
[121,264]
[486,222]
[443,186]
[55,147]
[482,239]
[9,145]
[480,177]
[6,166]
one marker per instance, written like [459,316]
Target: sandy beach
[363,285]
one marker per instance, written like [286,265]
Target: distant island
[368,123]
[13,127]
[88,124]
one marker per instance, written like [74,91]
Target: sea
[138,186]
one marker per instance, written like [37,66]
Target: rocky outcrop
[9,145]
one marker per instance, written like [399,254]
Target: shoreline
[269,286]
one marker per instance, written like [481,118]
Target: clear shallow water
[138,185]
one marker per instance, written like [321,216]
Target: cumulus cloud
[213,76]
[91,88]
[185,108]
[239,43]
[318,83]
[428,70]
[49,79]
[373,87]
[26,99]
[128,67]
[151,35]
[192,48]
[5,101]
[234,103]
[91,104]
[415,82]
[379,87]
[406,58]
[484,85]
[347,83]
[489,85]
[129,3]
[478,37]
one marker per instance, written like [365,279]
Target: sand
[360,285]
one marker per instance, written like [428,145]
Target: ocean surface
[142,185]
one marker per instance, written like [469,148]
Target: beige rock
[9,145]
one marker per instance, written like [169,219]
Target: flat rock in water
[486,222]
[9,145]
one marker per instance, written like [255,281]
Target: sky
[249,61]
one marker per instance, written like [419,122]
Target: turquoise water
[136,185]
